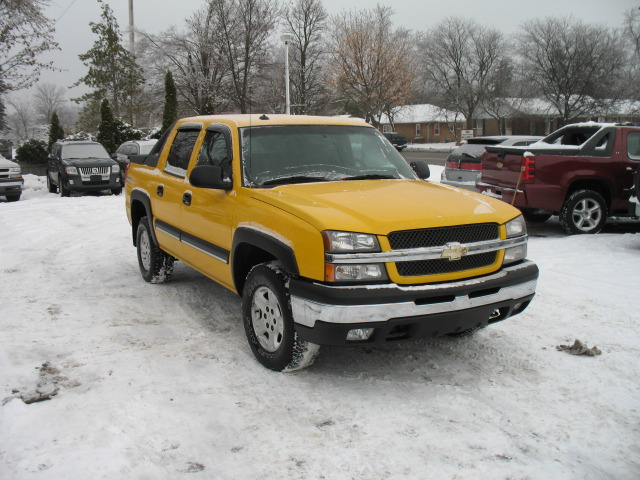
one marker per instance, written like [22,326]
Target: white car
[11,180]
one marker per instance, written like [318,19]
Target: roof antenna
[264,117]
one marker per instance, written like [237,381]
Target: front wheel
[50,186]
[585,211]
[156,266]
[63,188]
[116,191]
[268,321]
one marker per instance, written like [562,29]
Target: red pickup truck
[582,172]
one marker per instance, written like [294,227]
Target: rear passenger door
[169,191]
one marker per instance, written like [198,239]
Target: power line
[66,10]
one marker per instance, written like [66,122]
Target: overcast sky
[154,16]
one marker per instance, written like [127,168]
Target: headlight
[516,227]
[14,170]
[349,242]
[115,168]
[71,170]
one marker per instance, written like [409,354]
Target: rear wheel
[156,266]
[585,211]
[268,321]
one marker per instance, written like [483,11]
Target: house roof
[423,113]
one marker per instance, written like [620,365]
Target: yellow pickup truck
[326,232]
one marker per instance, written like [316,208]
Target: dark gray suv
[82,166]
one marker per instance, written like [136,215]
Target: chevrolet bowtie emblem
[499,164]
[454,251]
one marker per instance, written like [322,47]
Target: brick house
[423,123]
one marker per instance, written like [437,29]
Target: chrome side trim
[429,253]
[480,185]
[307,313]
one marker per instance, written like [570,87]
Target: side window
[215,151]
[180,152]
[633,145]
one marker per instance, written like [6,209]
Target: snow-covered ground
[157,381]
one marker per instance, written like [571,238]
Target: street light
[286,38]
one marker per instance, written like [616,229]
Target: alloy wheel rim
[267,319]
[145,250]
[587,214]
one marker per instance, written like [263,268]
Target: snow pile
[430,147]
[157,381]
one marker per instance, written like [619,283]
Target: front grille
[435,237]
[86,171]
[444,265]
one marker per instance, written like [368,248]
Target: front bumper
[324,314]
[11,186]
[77,183]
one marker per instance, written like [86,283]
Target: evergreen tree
[56,131]
[113,72]
[107,129]
[170,112]
[32,152]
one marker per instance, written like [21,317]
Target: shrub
[32,152]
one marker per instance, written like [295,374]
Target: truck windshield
[277,155]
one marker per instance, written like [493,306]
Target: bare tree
[22,119]
[195,60]
[462,64]
[371,63]
[48,98]
[306,20]
[242,30]
[573,65]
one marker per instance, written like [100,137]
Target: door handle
[186,199]
[160,190]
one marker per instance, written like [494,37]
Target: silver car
[464,165]
[11,180]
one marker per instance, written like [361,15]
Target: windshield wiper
[293,179]
[371,176]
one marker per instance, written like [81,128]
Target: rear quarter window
[633,145]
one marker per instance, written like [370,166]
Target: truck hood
[383,206]
[88,162]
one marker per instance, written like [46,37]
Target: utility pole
[286,38]
[132,37]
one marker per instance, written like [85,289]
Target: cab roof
[255,120]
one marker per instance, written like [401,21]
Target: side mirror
[209,176]
[114,156]
[421,168]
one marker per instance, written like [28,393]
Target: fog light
[515,254]
[359,334]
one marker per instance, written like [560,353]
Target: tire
[268,321]
[13,198]
[116,191]
[156,266]
[535,216]
[50,186]
[585,211]
[62,188]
